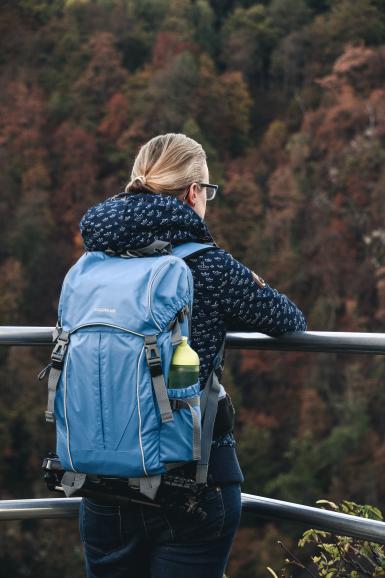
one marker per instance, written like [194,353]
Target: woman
[166,199]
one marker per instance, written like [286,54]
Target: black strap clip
[59,350]
[151,345]
[154,361]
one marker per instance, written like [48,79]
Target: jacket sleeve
[250,304]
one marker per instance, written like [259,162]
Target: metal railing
[338,523]
[318,341]
[319,519]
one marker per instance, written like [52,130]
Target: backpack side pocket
[180,439]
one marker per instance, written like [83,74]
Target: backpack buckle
[151,345]
[154,361]
[59,350]
[164,250]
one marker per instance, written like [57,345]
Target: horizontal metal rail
[335,522]
[318,341]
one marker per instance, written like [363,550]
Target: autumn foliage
[287,97]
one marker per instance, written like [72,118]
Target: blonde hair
[168,163]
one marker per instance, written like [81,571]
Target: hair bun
[168,164]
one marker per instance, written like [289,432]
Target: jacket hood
[129,221]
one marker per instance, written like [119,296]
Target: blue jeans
[138,541]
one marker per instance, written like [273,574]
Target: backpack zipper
[139,413]
[106,325]
[65,412]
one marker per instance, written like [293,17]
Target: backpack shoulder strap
[209,406]
[192,249]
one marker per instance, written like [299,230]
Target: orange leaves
[75,174]
[35,178]
[312,415]
[116,117]
[345,109]
[257,419]
[283,189]
[252,361]
[167,45]
[22,121]
[354,58]
[274,141]
[222,107]
[103,76]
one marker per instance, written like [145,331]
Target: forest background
[288,99]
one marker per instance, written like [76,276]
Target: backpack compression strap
[154,363]
[209,397]
[57,359]
[153,357]
[209,405]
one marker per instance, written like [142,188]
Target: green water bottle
[184,368]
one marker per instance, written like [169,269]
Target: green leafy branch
[337,556]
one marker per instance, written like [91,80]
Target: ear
[192,194]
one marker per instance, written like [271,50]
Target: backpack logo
[105,310]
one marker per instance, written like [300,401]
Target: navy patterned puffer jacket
[227,295]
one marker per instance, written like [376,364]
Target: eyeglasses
[211,191]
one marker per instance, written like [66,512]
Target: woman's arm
[250,304]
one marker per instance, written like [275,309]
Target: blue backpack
[120,318]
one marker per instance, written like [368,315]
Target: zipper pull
[43,372]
